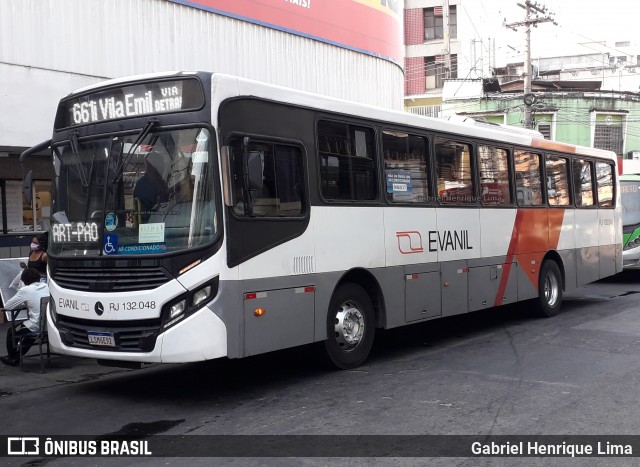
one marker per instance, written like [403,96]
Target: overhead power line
[534,14]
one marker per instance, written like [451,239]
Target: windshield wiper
[143,134]
[75,151]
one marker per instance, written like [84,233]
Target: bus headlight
[189,302]
[177,308]
[201,295]
[632,243]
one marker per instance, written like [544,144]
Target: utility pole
[534,14]
[446,38]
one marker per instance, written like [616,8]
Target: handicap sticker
[110,246]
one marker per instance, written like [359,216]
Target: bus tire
[549,290]
[350,327]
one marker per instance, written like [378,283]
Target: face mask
[35,246]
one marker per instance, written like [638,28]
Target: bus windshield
[630,191]
[144,193]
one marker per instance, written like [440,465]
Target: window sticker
[399,181]
[151,233]
[142,249]
[111,221]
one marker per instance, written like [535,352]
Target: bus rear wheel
[549,289]
[350,327]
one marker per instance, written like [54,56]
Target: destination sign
[135,100]
[74,232]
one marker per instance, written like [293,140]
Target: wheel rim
[551,289]
[349,326]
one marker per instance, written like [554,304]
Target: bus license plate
[101,338]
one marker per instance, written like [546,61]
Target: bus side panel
[422,292]
[454,275]
[392,285]
[407,233]
[496,228]
[348,237]
[278,319]
[569,262]
[587,251]
[566,248]
[607,242]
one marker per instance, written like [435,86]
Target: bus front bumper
[201,336]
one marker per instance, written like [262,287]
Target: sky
[580,22]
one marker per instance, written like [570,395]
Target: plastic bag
[16,283]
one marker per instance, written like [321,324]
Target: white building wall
[77,42]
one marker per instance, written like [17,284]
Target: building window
[437,70]
[434,21]
[608,133]
[545,130]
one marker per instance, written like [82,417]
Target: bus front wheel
[350,327]
[549,289]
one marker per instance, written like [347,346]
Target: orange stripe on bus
[535,232]
[506,270]
[552,145]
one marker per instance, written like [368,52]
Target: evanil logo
[23,446]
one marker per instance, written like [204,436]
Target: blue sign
[399,181]
[110,245]
[142,249]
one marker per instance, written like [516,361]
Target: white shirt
[29,297]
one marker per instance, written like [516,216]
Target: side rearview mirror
[27,187]
[255,170]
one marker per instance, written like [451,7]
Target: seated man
[152,188]
[27,297]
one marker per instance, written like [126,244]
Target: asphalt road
[499,372]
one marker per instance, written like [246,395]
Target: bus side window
[583,183]
[604,181]
[405,165]
[528,178]
[494,176]
[347,161]
[453,163]
[282,188]
[557,181]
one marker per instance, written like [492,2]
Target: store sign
[373,27]
[131,101]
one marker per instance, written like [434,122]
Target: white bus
[200,215]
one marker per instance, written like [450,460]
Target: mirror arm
[37,148]
[248,201]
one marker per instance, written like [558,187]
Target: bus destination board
[129,101]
